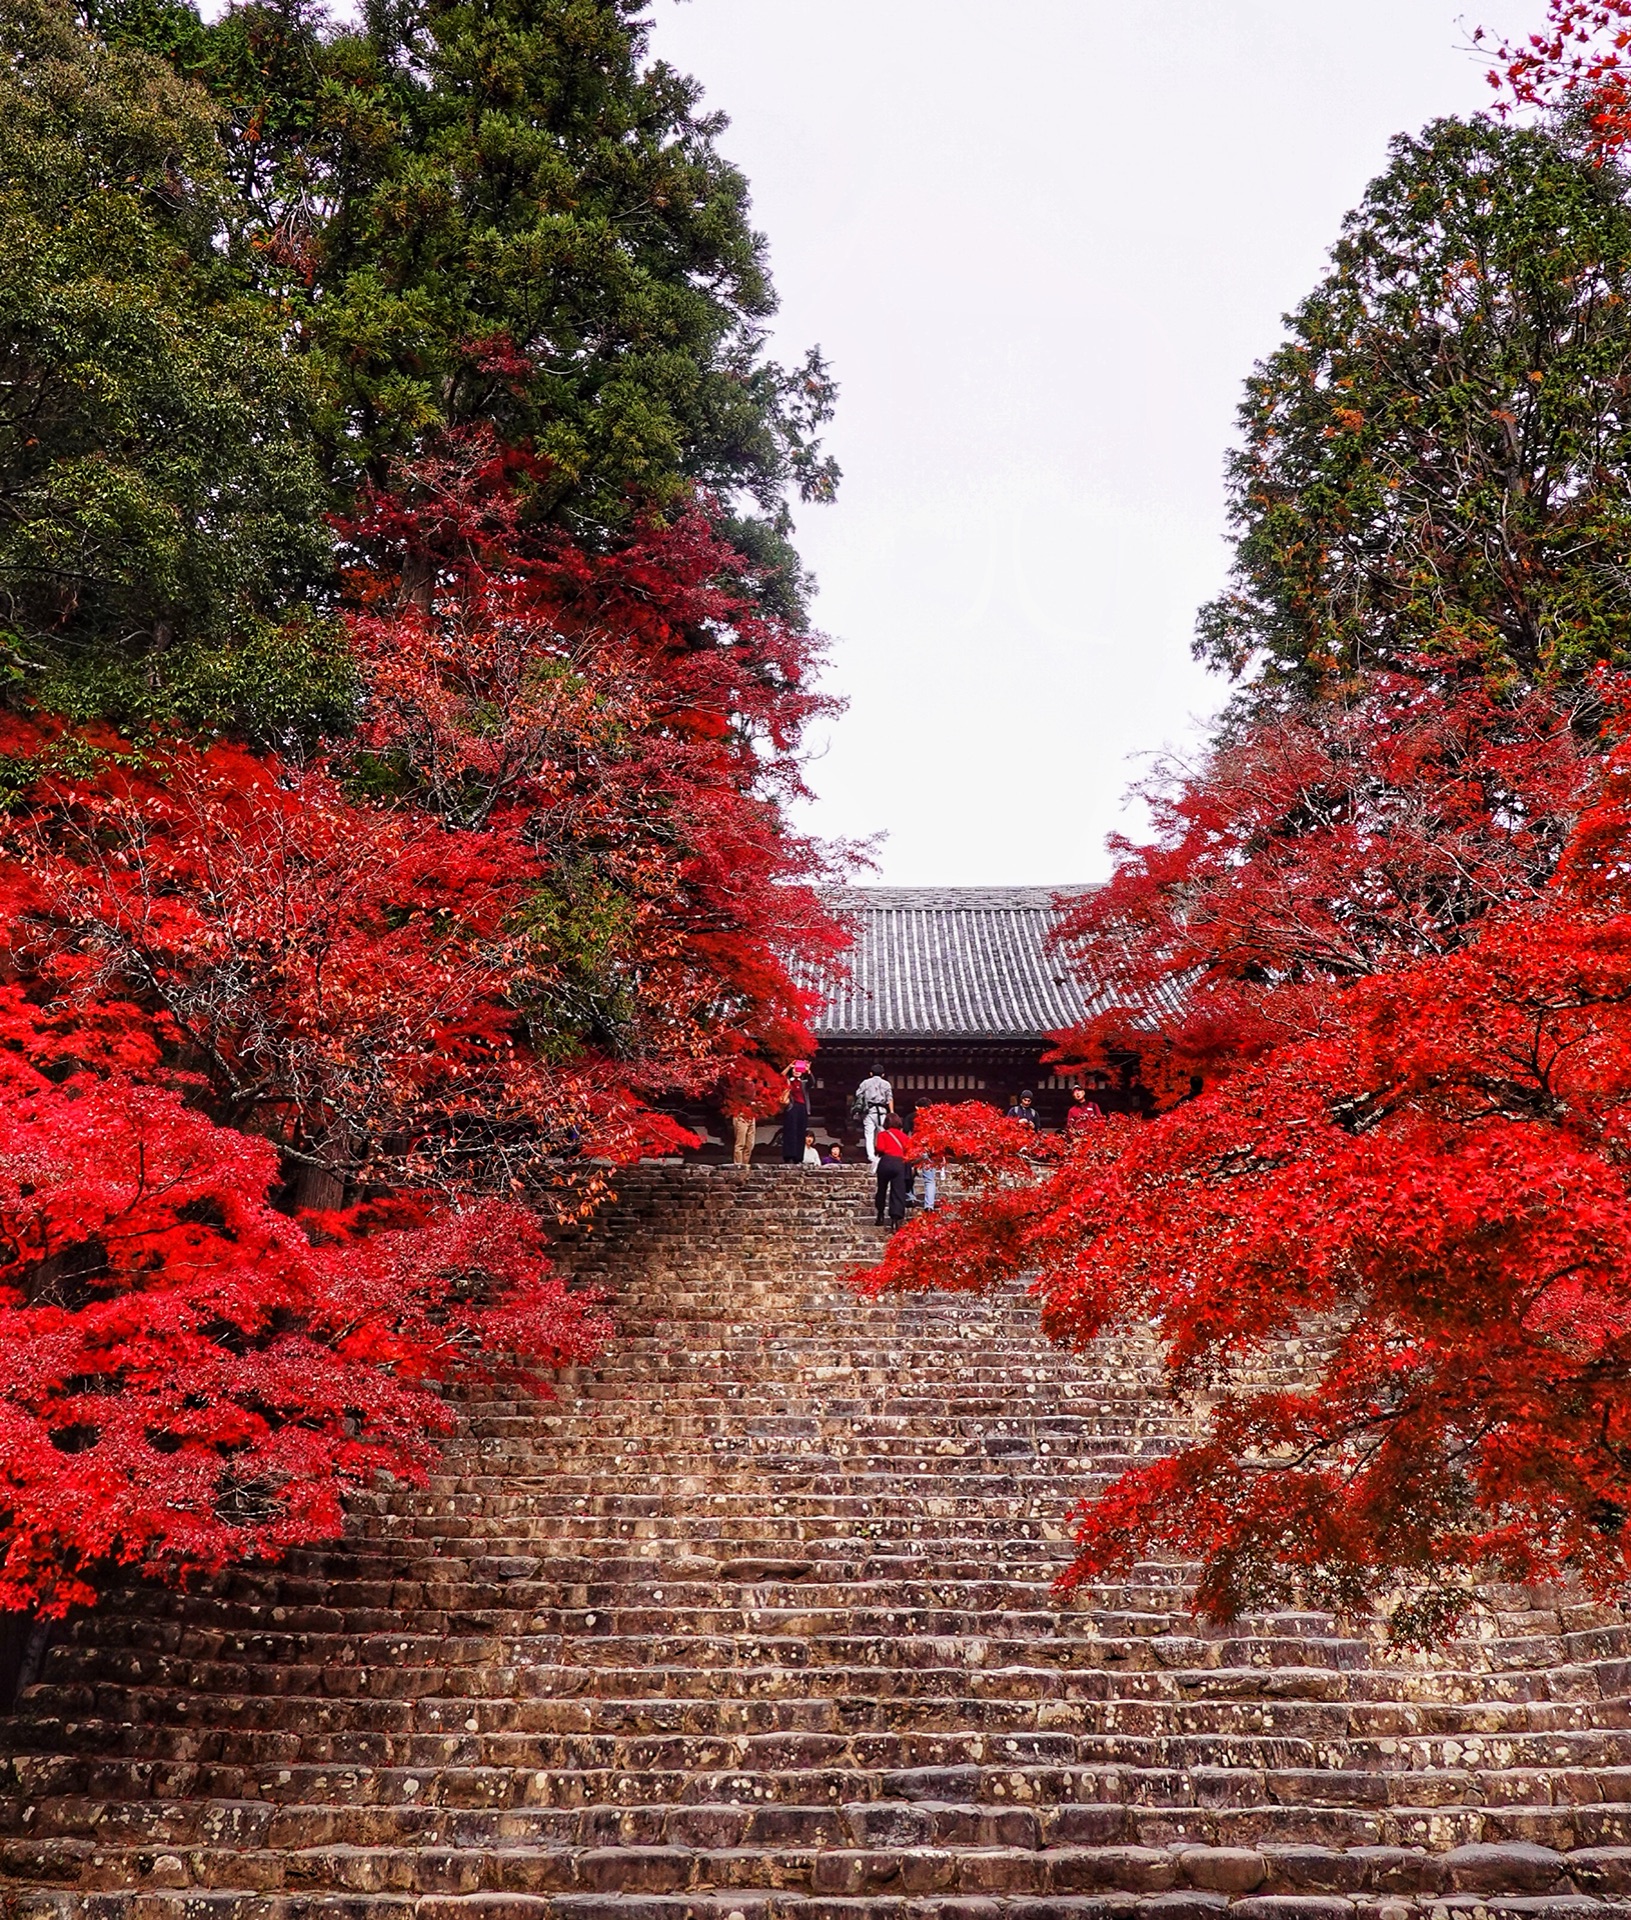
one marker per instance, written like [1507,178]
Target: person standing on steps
[930,1174]
[873,1099]
[926,1172]
[894,1168]
[796,1114]
[1083,1112]
[1024,1109]
[750,1091]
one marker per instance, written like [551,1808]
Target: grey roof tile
[952,962]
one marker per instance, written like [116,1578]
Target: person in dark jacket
[894,1148]
[795,1116]
[1024,1109]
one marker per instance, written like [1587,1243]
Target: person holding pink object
[796,1114]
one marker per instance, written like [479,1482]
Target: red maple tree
[302,1050]
[1327,842]
[190,1375]
[1416,1016]
[634,719]
[1375,969]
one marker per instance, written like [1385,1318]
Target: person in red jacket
[894,1149]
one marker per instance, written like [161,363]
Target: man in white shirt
[873,1099]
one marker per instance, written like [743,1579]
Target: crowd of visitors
[886,1139]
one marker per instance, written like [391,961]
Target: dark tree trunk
[25,1640]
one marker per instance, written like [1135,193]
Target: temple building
[953,991]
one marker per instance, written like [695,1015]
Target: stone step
[960,1609]
[864,1732]
[1195,1705]
[749,1905]
[1130,1668]
[913,1871]
[965,1864]
[1220,1734]
[1375,1735]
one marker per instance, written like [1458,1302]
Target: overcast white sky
[1042,241]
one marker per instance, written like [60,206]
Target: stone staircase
[755,1621]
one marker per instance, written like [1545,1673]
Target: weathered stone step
[1145,1700]
[589,1732]
[331,1636]
[1196,1773]
[473,1795]
[966,1866]
[530,1606]
[1306,1807]
[751,1905]
[702,1407]
[1145,1692]
[794,1636]
[1092,1437]
[608,1559]
[986,1873]
[708,1427]
[338,1655]
[1546,1765]
[1572,1640]
[1314,1705]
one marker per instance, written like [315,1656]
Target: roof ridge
[951,899]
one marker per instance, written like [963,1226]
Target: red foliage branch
[633,712]
[1327,843]
[1417,1157]
[339,977]
[547,881]
[185,1377]
[1581,60]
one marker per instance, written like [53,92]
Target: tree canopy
[1374,963]
[1378,971]
[163,497]
[1439,455]
[406,672]
[505,211]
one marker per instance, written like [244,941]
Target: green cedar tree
[162,518]
[504,212]
[1438,457]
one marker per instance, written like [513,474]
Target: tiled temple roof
[954,962]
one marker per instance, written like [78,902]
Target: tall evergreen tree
[1439,456]
[504,211]
[162,499]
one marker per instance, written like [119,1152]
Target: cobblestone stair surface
[754,1621]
